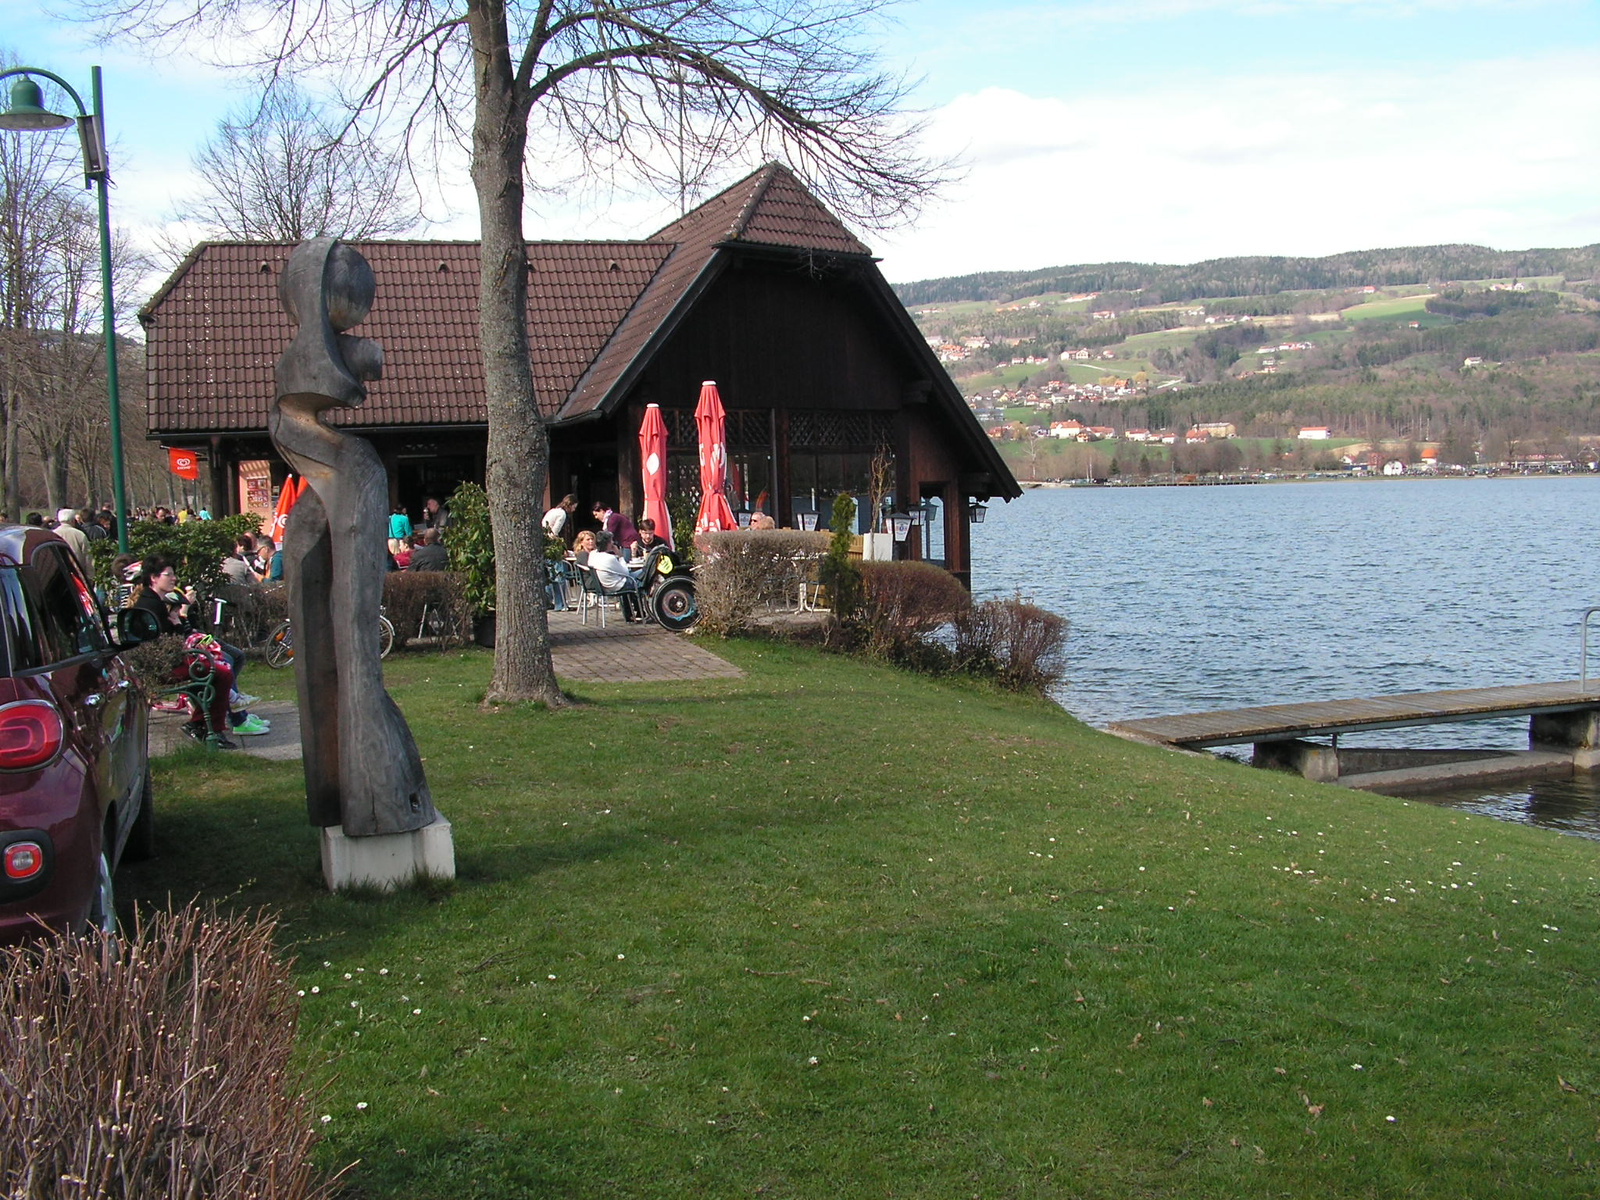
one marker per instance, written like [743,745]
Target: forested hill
[1156,283]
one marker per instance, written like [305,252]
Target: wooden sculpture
[362,769]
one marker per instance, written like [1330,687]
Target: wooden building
[761,289]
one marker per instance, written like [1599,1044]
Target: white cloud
[1506,154]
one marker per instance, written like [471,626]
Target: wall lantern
[900,524]
[742,516]
[976,512]
[806,519]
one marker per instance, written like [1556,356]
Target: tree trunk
[519,446]
[13,468]
[57,461]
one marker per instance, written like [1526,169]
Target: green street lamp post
[27,114]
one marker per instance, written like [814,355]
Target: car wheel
[103,904]
[141,842]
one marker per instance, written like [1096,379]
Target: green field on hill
[1391,309]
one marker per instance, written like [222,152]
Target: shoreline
[1029,485]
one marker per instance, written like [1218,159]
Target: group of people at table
[597,550]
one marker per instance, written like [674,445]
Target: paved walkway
[619,653]
[627,653]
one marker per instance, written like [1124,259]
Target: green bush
[159,1064]
[746,569]
[838,574]
[470,540]
[195,548]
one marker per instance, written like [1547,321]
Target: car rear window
[50,614]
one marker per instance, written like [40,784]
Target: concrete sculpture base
[387,860]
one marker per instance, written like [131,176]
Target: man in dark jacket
[429,554]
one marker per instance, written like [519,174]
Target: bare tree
[663,91]
[283,171]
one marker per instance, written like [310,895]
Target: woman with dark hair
[156,592]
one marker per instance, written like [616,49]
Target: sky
[1096,130]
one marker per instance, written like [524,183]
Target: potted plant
[469,540]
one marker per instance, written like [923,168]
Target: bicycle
[280,642]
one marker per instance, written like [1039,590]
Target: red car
[74,754]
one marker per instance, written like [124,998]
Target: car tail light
[31,733]
[23,860]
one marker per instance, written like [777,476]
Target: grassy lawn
[833,930]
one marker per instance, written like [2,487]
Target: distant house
[1314,433]
[1102,433]
[1137,435]
[1217,429]
[1467,363]
[1104,314]
[1394,467]
[1071,431]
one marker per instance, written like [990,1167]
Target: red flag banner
[183,463]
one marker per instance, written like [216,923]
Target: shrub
[153,664]
[745,569]
[405,593]
[253,610]
[1019,645]
[837,573]
[195,548]
[902,601]
[180,1079]
[470,541]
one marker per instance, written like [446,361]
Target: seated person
[238,568]
[760,520]
[614,576]
[647,540]
[430,554]
[156,592]
[582,546]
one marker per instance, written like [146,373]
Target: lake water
[1183,599]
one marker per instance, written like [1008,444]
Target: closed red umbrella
[653,454]
[711,423]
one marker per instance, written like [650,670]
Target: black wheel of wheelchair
[674,604]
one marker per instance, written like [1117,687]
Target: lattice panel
[747,428]
[824,429]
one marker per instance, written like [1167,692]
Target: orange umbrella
[287,495]
[711,423]
[653,454]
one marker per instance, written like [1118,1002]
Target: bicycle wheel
[385,636]
[280,646]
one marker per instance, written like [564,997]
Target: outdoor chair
[594,596]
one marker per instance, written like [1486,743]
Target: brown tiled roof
[595,309]
[216,328]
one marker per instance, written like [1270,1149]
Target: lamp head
[27,112]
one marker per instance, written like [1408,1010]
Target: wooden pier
[1564,725]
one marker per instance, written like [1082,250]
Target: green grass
[834,930]
[1409,308]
